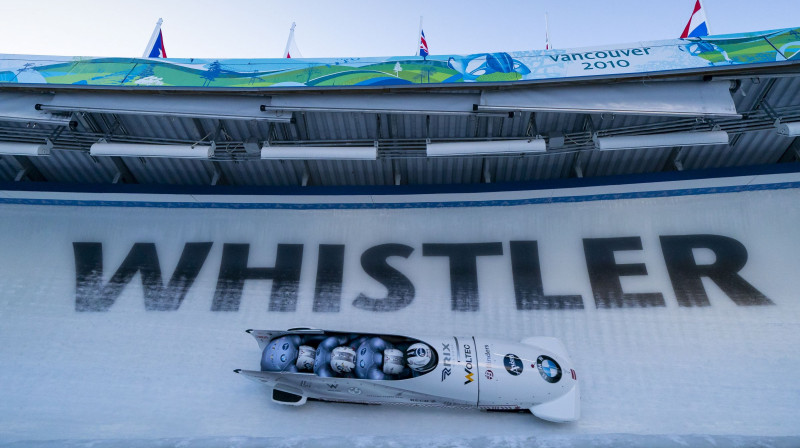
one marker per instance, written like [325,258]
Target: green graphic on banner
[777,46]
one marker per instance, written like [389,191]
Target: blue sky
[257,29]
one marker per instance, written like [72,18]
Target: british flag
[423,44]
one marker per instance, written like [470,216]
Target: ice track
[117,374]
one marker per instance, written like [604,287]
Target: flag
[291,50]
[698,25]
[155,48]
[158,50]
[423,44]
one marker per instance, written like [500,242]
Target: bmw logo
[548,368]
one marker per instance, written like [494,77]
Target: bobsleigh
[535,374]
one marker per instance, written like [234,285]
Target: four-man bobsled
[464,371]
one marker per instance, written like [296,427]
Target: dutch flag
[155,48]
[698,25]
[423,44]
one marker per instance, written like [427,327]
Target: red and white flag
[291,50]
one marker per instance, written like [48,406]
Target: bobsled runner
[534,374]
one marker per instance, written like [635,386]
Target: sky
[259,29]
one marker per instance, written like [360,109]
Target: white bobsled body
[535,374]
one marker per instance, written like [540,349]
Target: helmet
[305,358]
[420,357]
[280,354]
[343,359]
[392,361]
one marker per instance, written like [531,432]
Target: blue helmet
[280,354]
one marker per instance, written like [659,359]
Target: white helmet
[343,359]
[392,361]
[305,357]
[419,356]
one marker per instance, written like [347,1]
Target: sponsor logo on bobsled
[488,354]
[468,363]
[446,360]
[548,368]
[513,364]
[488,374]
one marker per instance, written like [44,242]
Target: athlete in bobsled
[347,357]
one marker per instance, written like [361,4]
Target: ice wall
[120,321]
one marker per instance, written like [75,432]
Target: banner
[659,56]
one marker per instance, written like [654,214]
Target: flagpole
[153,38]
[419,37]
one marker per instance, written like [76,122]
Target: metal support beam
[123,171]
[396,176]
[487,176]
[685,98]
[29,170]
[226,107]
[531,130]
[219,177]
[306,175]
[577,164]
[201,130]
[792,153]
[673,161]
[301,126]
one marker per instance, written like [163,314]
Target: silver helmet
[392,361]
[305,358]
[343,359]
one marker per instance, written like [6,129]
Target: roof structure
[250,123]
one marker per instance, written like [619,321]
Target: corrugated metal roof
[8,168]
[75,167]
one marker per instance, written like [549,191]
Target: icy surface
[721,375]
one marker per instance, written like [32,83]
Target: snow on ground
[720,375]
